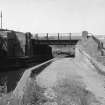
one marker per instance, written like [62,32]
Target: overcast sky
[54,15]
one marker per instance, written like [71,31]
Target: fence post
[47,36]
[58,36]
[70,35]
[37,36]
[28,44]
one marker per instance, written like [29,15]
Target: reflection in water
[11,76]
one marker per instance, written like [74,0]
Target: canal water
[11,76]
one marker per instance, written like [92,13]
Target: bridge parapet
[57,36]
[53,42]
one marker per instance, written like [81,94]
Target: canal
[11,75]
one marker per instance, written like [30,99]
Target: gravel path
[82,71]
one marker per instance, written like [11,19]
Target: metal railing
[57,36]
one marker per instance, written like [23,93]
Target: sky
[41,16]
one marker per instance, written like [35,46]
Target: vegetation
[65,93]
